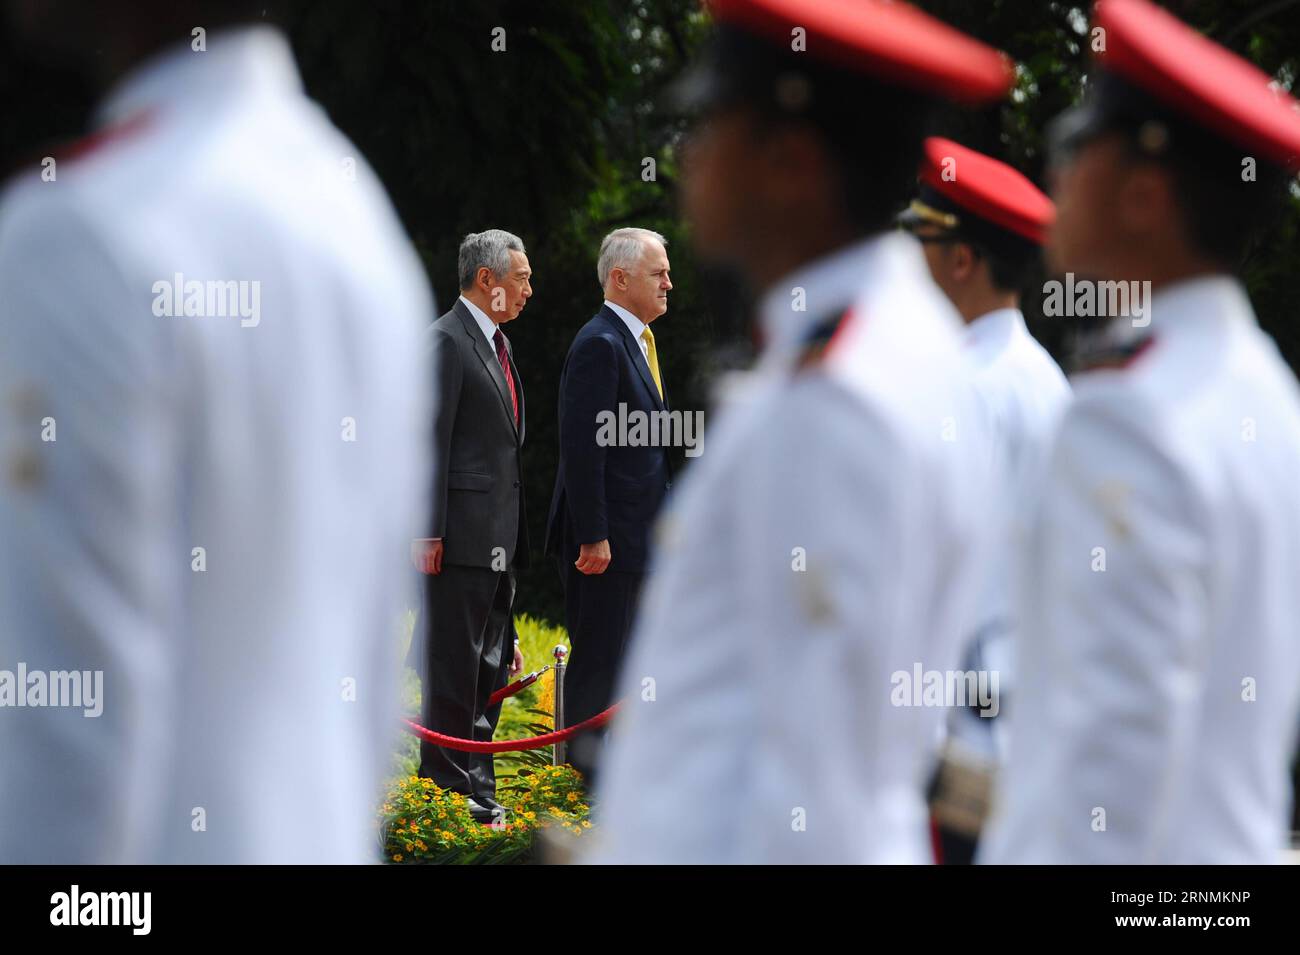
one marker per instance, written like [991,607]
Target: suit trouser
[469,649]
[599,611]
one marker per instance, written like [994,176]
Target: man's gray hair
[490,250]
[622,249]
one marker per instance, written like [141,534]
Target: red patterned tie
[500,341]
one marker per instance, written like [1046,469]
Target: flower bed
[422,823]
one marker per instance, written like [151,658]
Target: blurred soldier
[1158,684]
[214,452]
[828,543]
[478,533]
[982,225]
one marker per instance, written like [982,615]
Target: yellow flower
[397,858]
[586,824]
[572,797]
[546,696]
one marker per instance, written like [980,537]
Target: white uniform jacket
[214,441]
[1158,690]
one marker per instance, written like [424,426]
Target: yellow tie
[652,359]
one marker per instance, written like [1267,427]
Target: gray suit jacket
[478,483]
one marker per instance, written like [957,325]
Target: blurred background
[548,140]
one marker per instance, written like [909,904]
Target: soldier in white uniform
[1158,682]
[214,450]
[982,224]
[828,542]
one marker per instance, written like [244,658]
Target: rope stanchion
[521,684]
[508,745]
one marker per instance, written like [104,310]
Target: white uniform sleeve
[91,562]
[1116,601]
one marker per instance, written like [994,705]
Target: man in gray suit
[477,536]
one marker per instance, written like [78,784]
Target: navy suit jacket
[611,492]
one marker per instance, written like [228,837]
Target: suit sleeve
[447,383]
[1113,629]
[590,387]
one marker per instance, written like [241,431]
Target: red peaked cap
[987,188]
[894,42]
[1205,82]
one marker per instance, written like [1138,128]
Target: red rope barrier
[508,745]
[517,686]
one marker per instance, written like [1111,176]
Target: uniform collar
[1209,298]
[992,332]
[248,60]
[485,324]
[1180,308]
[829,286]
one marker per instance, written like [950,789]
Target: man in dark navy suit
[609,485]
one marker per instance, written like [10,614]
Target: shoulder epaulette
[817,340]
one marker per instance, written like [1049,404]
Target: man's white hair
[622,249]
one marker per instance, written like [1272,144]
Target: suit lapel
[634,353]
[490,364]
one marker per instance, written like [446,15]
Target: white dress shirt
[250,688]
[634,325]
[757,724]
[1159,666]
[485,324]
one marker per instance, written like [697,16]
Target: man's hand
[593,558]
[426,555]
[518,666]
